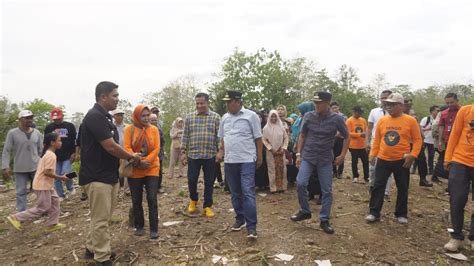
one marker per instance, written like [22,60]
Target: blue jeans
[21,183]
[62,168]
[241,179]
[325,180]
[194,168]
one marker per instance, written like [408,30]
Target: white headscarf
[175,128]
[274,132]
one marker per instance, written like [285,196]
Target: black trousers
[150,183]
[422,166]
[439,170]
[218,172]
[431,153]
[383,170]
[160,175]
[337,149]
[361,154]
[261,174]
[459,182]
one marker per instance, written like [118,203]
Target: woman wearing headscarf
[275,140]
[176,132]
[282,113]
[142,138]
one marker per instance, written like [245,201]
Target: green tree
[264,78]
[77,118]
[347,78]
[378,84]
[8,118]
[126,106]
[403,89]
[305,78]
[175,99]
[465,92]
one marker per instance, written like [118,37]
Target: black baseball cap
[322,96]
[232,95]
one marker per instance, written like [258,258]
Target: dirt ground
[197,239]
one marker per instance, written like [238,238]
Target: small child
[43,185]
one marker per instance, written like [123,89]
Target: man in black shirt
[100,154]
[67,153]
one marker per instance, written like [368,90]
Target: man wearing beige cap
[120,125]
[395,156]
[26,143]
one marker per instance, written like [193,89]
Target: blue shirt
[240,131]
[319,131]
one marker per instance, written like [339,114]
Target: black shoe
[252,234]
[89,255]
[425,183]
[154,235]
[366,180]
[326,227]
[83,196]
[238,225]
[104,263]
[435,179]
[300,216]
[139,232]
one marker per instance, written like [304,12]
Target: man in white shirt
[374,117]
[426,127]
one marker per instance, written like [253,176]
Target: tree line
[266,79]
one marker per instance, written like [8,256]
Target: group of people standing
[303,148]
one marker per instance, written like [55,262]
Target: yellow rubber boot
[192,206]
[208,212]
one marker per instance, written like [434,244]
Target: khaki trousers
[102,202]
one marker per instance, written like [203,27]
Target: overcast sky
[60,50]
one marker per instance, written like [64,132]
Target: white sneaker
[355,180]
[371,218]
[402,220]
[453,245]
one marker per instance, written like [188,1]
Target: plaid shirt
[200,139]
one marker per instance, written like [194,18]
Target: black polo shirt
[97,165]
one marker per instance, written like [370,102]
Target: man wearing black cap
[314,151]
[241,143]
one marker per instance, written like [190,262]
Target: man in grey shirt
[27,144]
[240,132]
[316,143]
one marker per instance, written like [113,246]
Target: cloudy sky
[59,50]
